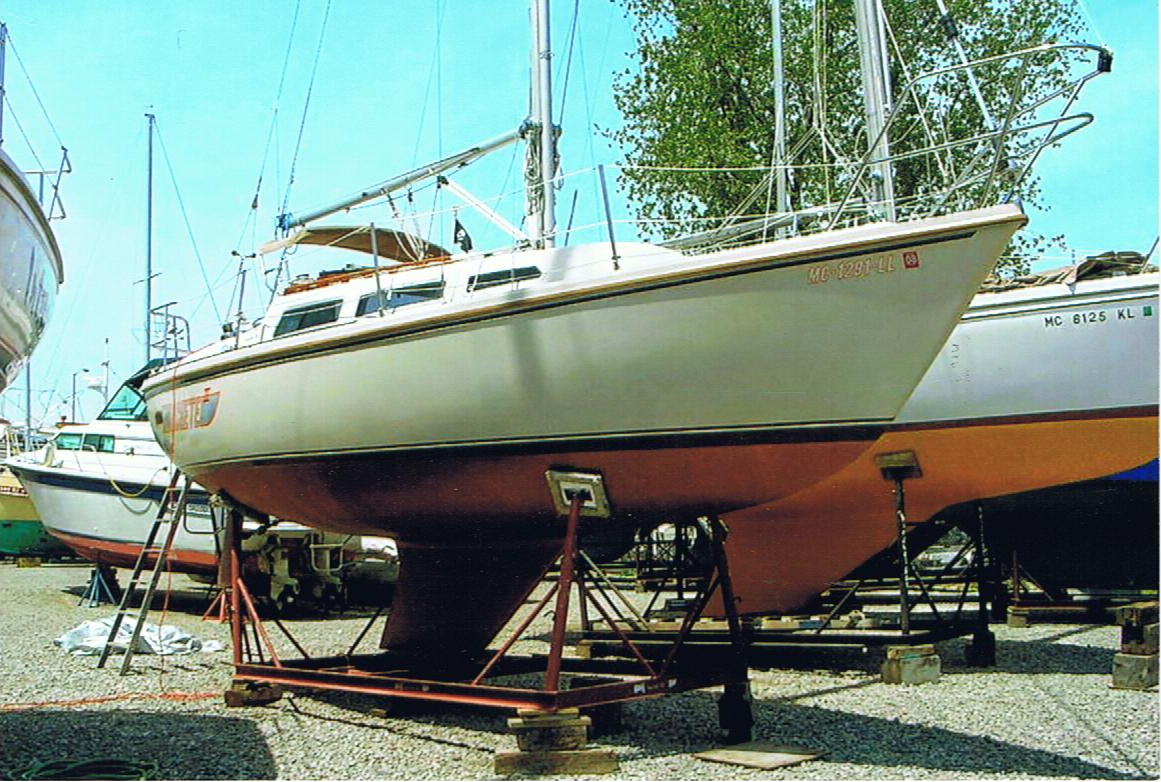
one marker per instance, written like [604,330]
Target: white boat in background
[31,269]
[98,487]
[1037,386]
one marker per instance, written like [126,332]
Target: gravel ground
[1046,711]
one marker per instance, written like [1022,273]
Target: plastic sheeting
[89,638]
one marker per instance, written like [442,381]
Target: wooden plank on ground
[764,755]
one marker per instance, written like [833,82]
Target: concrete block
[911,665]
[1134,671]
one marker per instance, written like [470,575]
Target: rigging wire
[20,126]
[306,106]
[270,134]
[188,227]
[432,70]
[568,59]
[35,94]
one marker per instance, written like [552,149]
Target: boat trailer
[260,672]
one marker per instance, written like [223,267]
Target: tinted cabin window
[126,405]
[409,294]
[306,316]
[68,442]
[98,442]
[504,277]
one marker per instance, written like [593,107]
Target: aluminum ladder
[170,521]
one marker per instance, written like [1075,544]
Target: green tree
[701,98]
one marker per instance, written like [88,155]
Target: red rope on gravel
[129,696]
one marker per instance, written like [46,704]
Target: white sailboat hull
[693,385]
[30,270]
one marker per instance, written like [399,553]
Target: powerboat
[98,488]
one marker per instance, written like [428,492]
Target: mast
[541,195]
[3,92]
[876,99]
[149,239]
[782,203]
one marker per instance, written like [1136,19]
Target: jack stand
[219,608]
[239,606]
[981,651]
[735,712]
[99,590]
[898,467]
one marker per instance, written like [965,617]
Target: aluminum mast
[876,98]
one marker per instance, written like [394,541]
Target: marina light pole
[73,409]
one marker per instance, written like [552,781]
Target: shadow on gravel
[181,601]
[1039,656]
[183,746]
[851,739]
[424,720]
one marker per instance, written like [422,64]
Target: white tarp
[89,638]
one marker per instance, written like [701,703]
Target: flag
[460,236]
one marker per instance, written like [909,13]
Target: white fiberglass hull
[30,270]
[811,340]
[693,385]
[102,505]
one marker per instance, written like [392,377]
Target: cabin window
[68,442]
[126,405]
[408,294]
[504,277]
[98,442]
[307,316]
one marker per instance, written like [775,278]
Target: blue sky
[398,84]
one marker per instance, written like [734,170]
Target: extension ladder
[160,553]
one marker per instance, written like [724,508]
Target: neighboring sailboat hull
[30,270]
[1035,388]
[725,382]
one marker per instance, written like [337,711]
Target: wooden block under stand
[584,761]
[553,743]
[911,665]
[1139,640]
[563,730]
[1137,614]
[252,694]
[1134,671]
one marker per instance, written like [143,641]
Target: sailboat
[31,269]
[426,394]
[1038,386]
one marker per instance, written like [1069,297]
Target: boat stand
[101,587]
[466,681]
